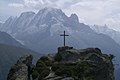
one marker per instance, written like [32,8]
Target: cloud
[16,5]
[90,11]
[33,3]
[37,4]
[98,12]
[113,22]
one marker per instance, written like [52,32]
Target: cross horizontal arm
[64,35]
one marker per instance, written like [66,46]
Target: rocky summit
[67,64]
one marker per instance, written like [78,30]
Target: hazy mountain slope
[115,35]
[9,55]
[40,32]
[117,73]
[0,24]
[7,39]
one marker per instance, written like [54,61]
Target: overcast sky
[91,12]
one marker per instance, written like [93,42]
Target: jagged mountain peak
[74,17]
[10,19]
[50,9]
[49,13]
[29,13]
[35,30]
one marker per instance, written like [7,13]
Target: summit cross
[64,35]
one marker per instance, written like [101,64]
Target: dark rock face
[75,64]
[21,70]
[67,64]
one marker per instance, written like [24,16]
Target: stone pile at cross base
[67,64]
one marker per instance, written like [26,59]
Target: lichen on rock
[78,64]
[68,64]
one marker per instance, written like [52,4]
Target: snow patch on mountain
[40,31]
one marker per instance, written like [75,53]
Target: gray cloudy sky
[89,11]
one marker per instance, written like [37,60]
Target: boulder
[22,69]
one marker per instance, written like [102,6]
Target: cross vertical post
[64,35]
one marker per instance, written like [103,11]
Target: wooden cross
[64,35]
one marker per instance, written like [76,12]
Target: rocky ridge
[67,64]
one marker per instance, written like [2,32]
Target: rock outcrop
[69,64]
[22,69]
[75,64]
